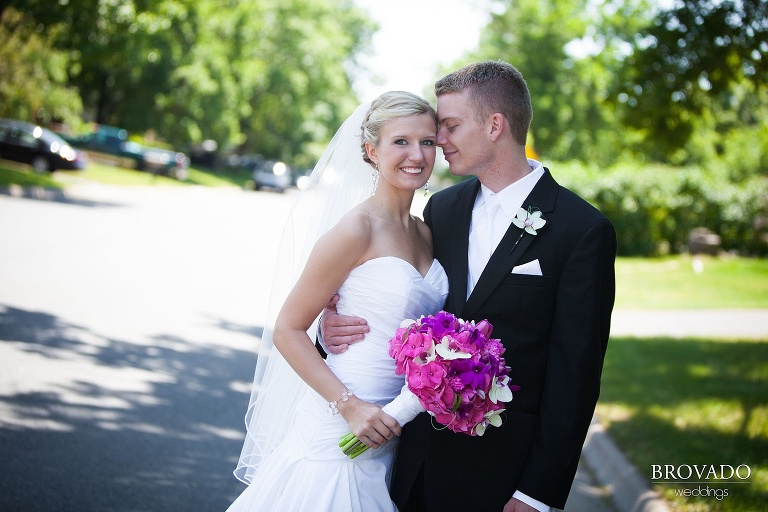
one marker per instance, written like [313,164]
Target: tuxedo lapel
[460,215]
[512,246]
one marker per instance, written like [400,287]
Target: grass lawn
[19,174]
[691,401]
[111,175]
[672,283]
[103,173]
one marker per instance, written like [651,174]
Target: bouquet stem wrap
[404,407]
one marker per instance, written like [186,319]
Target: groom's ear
[496,127]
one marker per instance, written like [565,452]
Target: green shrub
[655,207]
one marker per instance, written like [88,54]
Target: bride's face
[405,153]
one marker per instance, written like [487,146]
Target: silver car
[273,175]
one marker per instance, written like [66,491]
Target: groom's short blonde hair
[493,86]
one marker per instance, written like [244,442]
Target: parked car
[271,174]
[37,146]
[300,177]
[111,145]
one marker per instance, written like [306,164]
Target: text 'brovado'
[686,472]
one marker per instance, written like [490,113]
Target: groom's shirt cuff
[541,507]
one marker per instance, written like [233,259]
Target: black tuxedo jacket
[555,329]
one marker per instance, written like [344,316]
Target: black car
[111,145]
[41,148]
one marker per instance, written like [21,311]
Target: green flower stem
[351,446]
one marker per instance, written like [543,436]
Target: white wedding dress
[308,472]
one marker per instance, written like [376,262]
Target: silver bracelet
[333,406]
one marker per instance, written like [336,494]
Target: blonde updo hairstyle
[388,106]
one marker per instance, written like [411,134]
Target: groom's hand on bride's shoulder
[340,331]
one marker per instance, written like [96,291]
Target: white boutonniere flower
[529,221]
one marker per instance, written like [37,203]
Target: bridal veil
[339,181]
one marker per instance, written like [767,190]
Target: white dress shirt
[485,235]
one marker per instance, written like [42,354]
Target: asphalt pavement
[129,327]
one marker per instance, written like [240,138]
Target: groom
[548,295]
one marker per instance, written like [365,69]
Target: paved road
[129,325]
[701,323]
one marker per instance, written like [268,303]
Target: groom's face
[463,140]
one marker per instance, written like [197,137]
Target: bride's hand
[368,422]
[340,331]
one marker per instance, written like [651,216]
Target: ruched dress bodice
[384,291]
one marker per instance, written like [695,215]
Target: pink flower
[463,342]
[396,344]
[434,373]
[416,344]
[485,327]
[428,375]
[495,348]
[455,370]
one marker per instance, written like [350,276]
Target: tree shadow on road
[52,195]
[118,425]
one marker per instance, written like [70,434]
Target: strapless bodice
[384,291]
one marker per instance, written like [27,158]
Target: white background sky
[414,37]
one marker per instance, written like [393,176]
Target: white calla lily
[490,418]
[500,391]
[444,350]
[429,355]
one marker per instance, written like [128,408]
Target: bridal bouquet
[453,370]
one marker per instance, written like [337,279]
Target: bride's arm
[333,257]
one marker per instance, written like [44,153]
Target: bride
[378,257]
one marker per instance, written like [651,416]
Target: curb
[628,490]
[34,192]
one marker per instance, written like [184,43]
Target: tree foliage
[692,60]
[532,35]
[621,79]
[265,76]
[610,79]
[34,81]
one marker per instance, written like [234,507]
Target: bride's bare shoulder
[356,222]
[352,232]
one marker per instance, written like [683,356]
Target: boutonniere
[529,221]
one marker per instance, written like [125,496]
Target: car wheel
[40,164]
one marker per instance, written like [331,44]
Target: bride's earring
[426,188]
[375,178]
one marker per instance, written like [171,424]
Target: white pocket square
[532,268]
